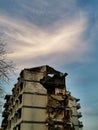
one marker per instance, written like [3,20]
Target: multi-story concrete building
[40,101]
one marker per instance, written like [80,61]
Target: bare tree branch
[6,66]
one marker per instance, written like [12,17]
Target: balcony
[5,113]
[6,105]
[78,106]
[80,124]
[21,86]
[19,113]
[69,124]
[20,99]
[4,123]
[77,99]
[16,93]
[7,97]
[68,93]
[79,115]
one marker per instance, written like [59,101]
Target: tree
[6,66]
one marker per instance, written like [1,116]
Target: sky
[61,34]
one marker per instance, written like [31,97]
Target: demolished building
[40,101]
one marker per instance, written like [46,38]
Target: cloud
[46,33]
[41,12]
[59,44]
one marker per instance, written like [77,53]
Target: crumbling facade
[40,101]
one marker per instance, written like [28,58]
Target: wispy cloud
[46,33]
[41,12]
[58,44]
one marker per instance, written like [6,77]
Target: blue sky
[62,34]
